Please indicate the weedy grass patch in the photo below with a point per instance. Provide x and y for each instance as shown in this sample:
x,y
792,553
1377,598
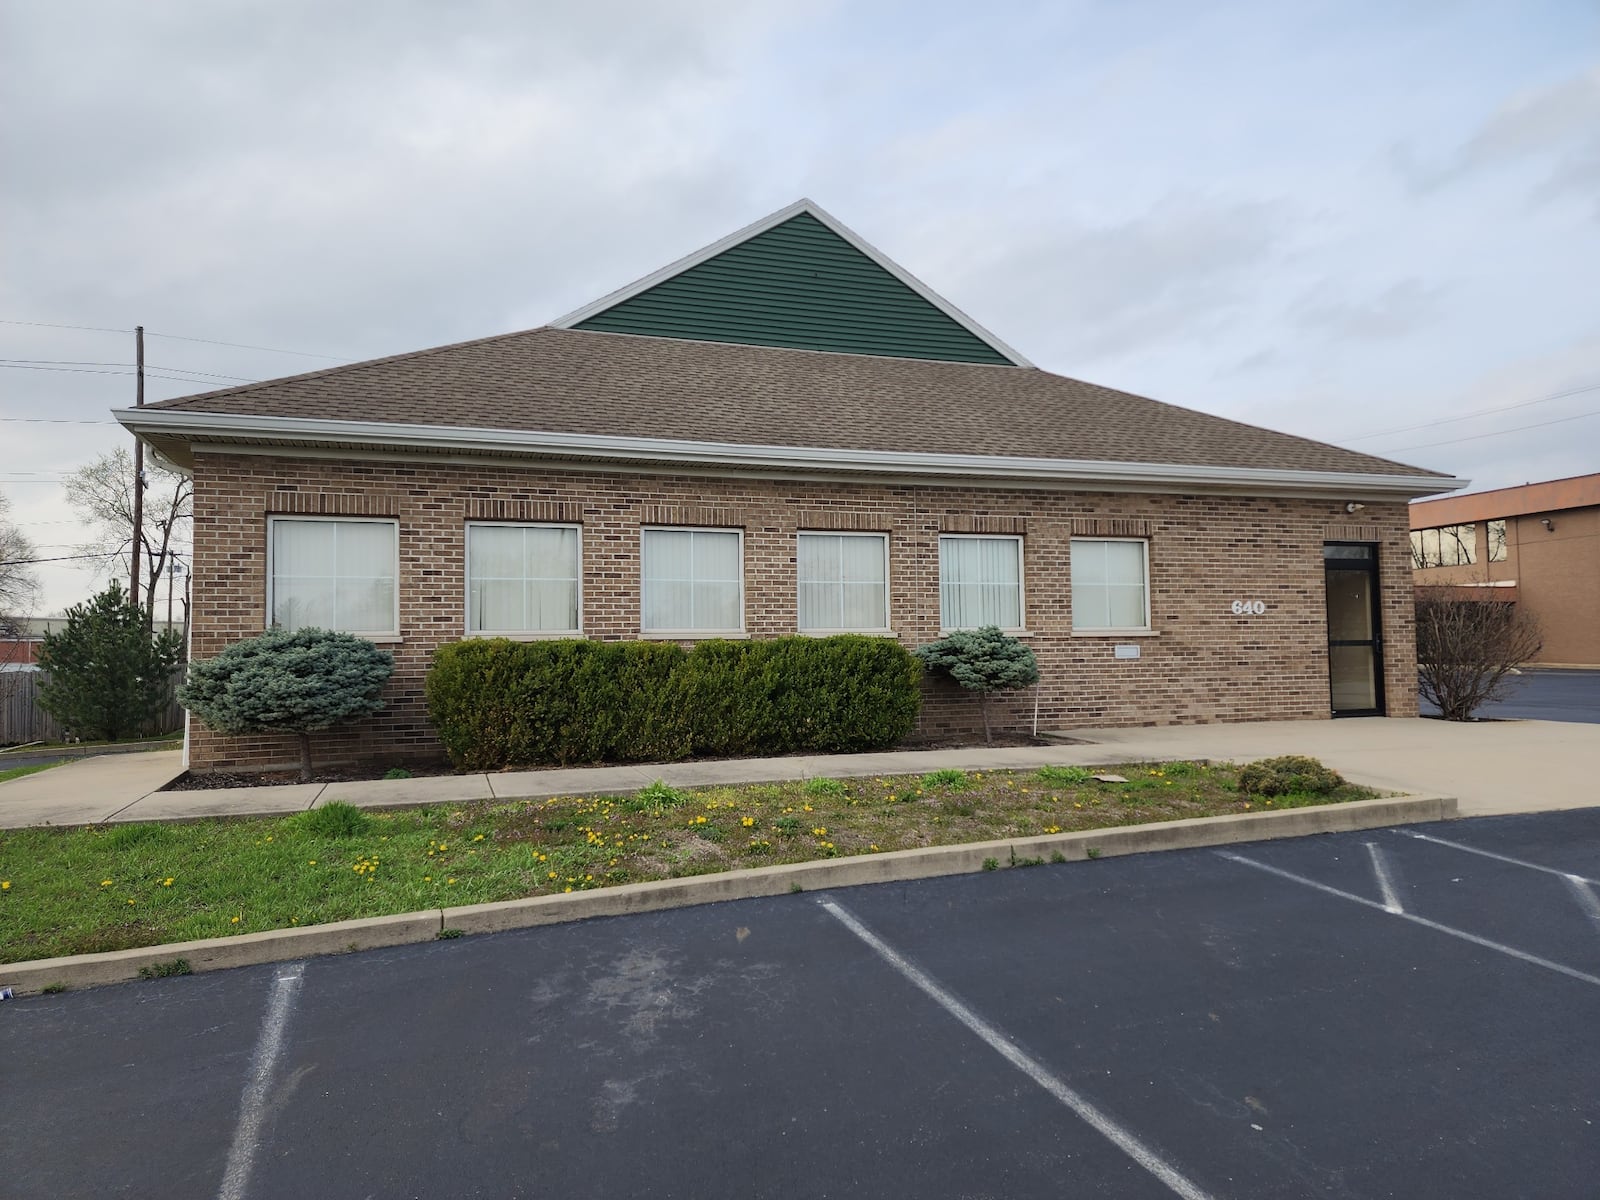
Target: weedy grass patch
x,y
75,891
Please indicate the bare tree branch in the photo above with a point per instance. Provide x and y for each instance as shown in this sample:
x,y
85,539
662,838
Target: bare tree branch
x,y
19,586
102,492
1467,645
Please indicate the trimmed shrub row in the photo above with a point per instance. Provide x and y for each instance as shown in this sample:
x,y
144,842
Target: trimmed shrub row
x,y
499,703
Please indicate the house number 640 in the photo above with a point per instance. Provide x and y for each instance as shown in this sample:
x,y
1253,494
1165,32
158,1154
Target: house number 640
x,y
1248,608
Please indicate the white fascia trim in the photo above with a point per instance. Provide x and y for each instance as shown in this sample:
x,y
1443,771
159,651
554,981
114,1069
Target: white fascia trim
x,y
395,436
689,261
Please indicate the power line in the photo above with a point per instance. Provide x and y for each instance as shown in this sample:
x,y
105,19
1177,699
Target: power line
x,y
1495,433
55,421
1482,412
29,562
41,364
60,362
73,370
53,325
209,374
177,337
242,346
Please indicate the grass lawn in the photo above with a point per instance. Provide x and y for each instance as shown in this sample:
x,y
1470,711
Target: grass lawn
x,y
76,891
168,739
18,772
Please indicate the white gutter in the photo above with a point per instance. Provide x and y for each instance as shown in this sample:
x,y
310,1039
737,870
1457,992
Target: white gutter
x,y
180,423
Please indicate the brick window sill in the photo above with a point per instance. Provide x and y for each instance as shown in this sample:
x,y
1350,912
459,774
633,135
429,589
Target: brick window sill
x,y
694,635
1016,633
1115,633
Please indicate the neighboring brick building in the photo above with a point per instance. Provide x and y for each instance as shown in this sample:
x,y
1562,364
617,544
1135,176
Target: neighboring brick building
x,y
1537,546
787,433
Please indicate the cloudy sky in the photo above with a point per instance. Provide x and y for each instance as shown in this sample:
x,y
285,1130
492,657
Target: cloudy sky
x,y
1372,223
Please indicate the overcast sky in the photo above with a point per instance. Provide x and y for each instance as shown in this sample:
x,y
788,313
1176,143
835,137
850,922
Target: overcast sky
x,y
1337,219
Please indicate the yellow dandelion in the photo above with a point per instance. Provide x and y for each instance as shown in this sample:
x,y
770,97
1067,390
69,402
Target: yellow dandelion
x,y
427,879
131,900
449,880
479,838
105,883
310,862
167,882
5,885
233,920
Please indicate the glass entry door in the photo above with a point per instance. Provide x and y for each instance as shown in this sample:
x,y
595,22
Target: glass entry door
x,y
1355,638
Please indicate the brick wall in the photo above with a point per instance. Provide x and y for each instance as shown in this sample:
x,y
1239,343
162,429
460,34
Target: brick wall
x,y
1204,663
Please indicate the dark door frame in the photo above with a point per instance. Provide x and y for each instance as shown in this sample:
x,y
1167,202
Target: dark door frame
x,y
1368,565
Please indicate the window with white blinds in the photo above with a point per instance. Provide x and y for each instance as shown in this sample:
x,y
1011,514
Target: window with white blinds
x,y
844,582
334,573
523,579
980,581
692,581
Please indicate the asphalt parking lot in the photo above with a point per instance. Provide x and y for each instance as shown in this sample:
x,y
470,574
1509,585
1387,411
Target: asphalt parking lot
x,y
1372,1014
1544,695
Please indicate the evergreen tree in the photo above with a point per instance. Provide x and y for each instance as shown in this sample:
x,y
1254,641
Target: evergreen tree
x,y
108,677
288,681
982,660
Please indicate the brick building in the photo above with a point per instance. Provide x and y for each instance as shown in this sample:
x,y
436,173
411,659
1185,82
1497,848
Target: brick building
x,y
784,433
1537,546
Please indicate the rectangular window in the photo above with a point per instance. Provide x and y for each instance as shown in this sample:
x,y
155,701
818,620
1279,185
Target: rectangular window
x,y
334,574
980,582
692,581
522,579
1497,541
844,582
1110,584
1445,546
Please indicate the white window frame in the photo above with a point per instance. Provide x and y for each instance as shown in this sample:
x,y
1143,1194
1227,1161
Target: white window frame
x,y
884,629
1022,579
691,635
1115,630
391,634
529,635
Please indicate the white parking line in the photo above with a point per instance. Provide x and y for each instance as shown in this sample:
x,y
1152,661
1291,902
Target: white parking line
x,y
1583,892
247,1136
1391,902
1505,858
1031,1067
1415,920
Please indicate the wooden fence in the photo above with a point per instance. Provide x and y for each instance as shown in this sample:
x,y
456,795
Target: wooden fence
x,y
22,720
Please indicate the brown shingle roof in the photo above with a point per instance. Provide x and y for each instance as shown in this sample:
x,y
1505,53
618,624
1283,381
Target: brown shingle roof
x,y
567,381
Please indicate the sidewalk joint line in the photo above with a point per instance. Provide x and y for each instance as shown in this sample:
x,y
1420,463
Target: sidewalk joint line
x,y
1505,858
1029,1066
1499,947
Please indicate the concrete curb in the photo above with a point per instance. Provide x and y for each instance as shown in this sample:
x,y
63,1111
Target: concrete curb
x,y
370,933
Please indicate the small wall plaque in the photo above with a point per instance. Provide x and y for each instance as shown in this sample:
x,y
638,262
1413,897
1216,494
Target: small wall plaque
x,y
1128,650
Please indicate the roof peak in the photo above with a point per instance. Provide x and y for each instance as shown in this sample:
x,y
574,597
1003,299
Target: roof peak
x,y
672,274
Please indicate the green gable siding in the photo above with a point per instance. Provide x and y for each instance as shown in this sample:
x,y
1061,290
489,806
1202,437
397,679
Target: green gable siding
x,y
798,285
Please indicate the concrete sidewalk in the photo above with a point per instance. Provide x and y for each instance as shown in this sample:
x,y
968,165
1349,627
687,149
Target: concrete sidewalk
x,y
1493,767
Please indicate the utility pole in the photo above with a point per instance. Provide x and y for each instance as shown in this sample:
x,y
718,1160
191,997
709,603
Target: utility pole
x,y
138,465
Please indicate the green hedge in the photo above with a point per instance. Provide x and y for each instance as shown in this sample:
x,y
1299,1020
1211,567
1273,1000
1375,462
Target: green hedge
x,y
498,703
